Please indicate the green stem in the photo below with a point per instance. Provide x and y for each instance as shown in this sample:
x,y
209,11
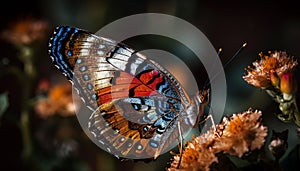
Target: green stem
x,y
26,57
289,108
296,114
26,135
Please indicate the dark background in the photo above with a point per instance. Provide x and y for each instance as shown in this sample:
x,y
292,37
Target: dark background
x,y
227,24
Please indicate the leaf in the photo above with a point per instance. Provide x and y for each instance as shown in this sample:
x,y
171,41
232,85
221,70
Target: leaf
x,y
3,103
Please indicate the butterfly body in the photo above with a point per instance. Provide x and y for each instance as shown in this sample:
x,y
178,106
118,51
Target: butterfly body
x,y
138,107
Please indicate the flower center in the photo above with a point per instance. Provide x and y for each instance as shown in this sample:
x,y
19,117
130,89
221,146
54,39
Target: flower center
x,y
235,126
270,63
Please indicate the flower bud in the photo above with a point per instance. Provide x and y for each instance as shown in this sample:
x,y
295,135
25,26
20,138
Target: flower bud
x,y
274,78
288,83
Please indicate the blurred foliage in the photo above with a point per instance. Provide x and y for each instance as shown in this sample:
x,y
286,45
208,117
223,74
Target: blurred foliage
x,y
4,103
57,142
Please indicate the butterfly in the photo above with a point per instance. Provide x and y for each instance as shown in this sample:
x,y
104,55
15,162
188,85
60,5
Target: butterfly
x,y
139,110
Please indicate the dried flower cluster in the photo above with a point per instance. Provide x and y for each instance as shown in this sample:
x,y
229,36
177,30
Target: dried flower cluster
x,y
236,135
59,101
270,69
275,73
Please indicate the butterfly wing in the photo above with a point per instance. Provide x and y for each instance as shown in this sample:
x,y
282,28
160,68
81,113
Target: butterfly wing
x,y
136,103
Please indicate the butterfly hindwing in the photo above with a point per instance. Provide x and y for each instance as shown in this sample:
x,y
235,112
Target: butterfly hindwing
x,y
134,125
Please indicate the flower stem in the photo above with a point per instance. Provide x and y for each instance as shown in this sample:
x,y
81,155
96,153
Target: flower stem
x,y
289,108
26,56
297,116
26,135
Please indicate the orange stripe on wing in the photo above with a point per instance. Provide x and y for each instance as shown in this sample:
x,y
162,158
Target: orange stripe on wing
x,y
123,84
158,80
151,78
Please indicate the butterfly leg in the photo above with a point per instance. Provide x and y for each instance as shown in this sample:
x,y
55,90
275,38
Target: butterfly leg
x,y
212,121
209,117
180,144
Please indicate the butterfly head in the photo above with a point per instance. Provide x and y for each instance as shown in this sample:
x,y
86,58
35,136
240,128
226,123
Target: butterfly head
x,y
201,99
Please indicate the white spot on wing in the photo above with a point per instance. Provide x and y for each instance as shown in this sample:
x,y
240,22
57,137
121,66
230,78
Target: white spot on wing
x,y
118,63
101,46
108,40
121,57
101,142
93,133
84,52
127,52
90,39
100,52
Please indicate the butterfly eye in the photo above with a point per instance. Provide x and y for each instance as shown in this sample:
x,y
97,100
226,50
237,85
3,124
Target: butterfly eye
x,y
204,96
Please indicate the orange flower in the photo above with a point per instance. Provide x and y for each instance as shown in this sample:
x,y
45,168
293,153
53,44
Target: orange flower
x,y
197,154
25,31
236,135
275,64
59,101
242,133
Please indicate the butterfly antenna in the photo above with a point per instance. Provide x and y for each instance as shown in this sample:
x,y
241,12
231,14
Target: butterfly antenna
x,y
208,81
236,53
228,62
219,51
213,67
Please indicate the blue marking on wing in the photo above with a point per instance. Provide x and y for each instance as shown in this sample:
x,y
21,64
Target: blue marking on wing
x,y
58,42
169,116
160,123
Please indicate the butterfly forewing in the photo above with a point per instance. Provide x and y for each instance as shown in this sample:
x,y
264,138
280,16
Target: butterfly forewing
x,y
136,105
